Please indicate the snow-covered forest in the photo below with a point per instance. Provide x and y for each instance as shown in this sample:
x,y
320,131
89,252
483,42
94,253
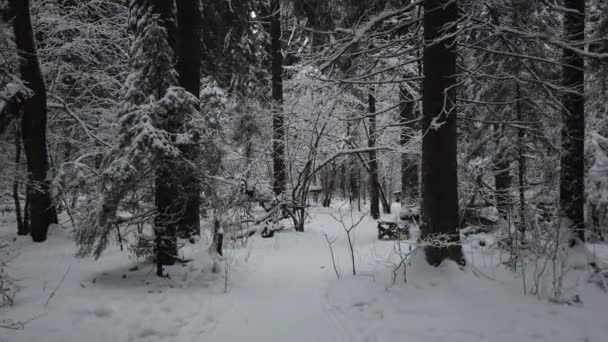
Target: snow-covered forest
x,y
303,170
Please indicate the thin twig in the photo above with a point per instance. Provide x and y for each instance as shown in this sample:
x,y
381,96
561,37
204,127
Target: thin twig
x,y
46,304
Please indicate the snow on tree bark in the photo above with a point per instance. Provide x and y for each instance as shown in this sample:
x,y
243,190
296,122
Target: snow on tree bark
x,y
439,143
278,127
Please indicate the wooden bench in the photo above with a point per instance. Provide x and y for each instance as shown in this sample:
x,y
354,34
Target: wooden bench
x,y
394,229
389,228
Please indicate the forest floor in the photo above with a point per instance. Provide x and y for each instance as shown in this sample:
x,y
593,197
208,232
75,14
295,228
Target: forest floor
x,y
284,288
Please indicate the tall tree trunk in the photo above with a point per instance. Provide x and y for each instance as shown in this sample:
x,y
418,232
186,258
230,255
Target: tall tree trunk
x,y
353,167
571,188
33,124
409,163
278,127
189,51
22,227
374,185
167,213
353,180
329,182
343,181
502,173
384,198
439,144
521,161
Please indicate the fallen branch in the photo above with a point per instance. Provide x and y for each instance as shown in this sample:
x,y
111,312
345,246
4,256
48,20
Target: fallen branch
x,y
17,325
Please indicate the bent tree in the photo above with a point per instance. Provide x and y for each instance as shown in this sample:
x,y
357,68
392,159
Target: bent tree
x,y
439,178
33,124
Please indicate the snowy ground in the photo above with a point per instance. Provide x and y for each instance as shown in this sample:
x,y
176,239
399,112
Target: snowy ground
x,y
283,289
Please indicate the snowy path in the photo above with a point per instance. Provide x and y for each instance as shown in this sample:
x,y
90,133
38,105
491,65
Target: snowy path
x,y
280,289
283,300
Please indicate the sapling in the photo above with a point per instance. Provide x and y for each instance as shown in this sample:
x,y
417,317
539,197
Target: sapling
x,y
349,228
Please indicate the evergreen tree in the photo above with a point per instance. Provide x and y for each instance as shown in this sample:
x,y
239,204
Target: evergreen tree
x,y
151,113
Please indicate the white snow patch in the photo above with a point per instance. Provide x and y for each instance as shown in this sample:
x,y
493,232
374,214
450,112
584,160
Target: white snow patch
x,y
284,289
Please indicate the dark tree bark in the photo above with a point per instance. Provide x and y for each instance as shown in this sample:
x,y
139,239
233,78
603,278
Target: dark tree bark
x,y
374,185
409,163
572,199
189,49
353,180
22,227
502,174
328,181
278,127
169,208
353,168
439,144
343,181
218,237
521,162
165,9
33,124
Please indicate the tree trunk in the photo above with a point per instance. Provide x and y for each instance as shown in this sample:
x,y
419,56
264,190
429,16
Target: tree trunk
x,y
374,190
353,179
218,237
328,181
502,173
189,69
33,124
168,212
278,128
343,181
521,161
385,196
439,144
409,163
572,187
353,168
22,227
360,188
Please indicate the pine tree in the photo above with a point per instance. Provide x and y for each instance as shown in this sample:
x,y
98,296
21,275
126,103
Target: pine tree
x,y
152,113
